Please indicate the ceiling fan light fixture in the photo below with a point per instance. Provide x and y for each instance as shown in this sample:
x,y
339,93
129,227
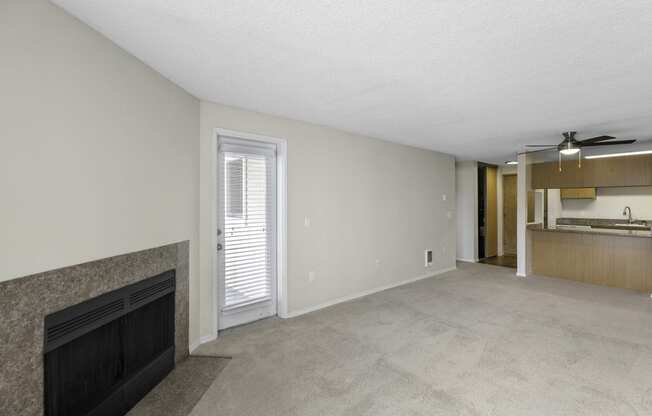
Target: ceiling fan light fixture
x,y
569,148
569,151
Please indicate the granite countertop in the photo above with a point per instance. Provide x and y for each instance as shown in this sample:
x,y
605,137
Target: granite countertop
x,y
598,221
586,229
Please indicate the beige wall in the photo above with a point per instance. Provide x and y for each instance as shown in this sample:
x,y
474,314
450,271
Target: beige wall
x,y
466,193
98,152
100,157
367,200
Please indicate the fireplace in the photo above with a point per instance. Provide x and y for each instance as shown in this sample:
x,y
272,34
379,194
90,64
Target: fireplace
x,y
103,355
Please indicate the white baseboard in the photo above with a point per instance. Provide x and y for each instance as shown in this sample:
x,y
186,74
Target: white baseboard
x,y
365,293
203,340
467,260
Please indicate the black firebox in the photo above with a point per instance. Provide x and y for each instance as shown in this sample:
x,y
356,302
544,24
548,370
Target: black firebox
x,y
103,355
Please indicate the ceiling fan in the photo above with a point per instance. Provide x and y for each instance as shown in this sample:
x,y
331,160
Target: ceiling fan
x,y
570,145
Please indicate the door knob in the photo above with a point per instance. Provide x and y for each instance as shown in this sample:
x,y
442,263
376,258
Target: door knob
x,y
219,246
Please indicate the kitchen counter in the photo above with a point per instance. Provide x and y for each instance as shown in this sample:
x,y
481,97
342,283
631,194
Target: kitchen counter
x,y
589,230
603,256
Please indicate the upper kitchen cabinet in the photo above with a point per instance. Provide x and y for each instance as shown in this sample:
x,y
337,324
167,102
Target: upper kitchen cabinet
x,y
638,170
594,173
578,193
548,175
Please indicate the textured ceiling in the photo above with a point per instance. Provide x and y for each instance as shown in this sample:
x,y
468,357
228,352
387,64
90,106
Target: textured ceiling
x,y
477,79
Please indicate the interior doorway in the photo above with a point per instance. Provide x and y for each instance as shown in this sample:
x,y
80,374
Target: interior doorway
x,y
500,216
487,211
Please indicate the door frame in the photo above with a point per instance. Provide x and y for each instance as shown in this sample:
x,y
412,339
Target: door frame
x,y
281,217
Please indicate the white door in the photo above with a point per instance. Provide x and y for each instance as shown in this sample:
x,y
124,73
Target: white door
x,y
246,233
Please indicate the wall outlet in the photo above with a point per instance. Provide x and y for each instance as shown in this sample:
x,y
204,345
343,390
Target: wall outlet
x,y
449,214
377,263
311,276
306,222
428,258
443,197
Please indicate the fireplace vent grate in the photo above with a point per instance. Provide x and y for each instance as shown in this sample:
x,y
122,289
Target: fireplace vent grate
x,y
87,319
64,326
150,293
103,355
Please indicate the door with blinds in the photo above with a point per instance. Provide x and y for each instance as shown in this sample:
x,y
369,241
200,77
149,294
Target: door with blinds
x,y
246,231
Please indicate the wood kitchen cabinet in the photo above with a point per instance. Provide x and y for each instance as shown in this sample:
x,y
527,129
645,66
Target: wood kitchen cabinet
x,y
578,193
638,170
611,172
537,176
610,260
594,173
545,175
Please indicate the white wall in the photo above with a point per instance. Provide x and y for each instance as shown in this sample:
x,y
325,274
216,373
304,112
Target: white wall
x,y
554,206
366,200
466,190
98,152
609,203
523,239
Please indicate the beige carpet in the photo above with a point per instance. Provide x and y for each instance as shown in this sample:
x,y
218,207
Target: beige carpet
x,y
475,341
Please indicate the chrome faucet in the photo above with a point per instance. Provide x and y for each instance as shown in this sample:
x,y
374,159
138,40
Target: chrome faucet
x,y
629,217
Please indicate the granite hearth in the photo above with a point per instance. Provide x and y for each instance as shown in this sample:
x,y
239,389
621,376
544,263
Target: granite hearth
x,y
24,302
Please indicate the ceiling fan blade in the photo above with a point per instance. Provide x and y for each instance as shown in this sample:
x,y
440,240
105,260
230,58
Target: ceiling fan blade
x,y
541,145
537,151
596,139
608,143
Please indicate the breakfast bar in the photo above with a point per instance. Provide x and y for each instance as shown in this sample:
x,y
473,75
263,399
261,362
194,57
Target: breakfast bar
x,y
598,253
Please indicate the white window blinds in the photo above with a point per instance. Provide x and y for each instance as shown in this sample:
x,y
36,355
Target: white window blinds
x,y
249,220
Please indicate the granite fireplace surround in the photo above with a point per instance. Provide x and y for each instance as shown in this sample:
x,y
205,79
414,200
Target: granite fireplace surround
x,y
25,301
